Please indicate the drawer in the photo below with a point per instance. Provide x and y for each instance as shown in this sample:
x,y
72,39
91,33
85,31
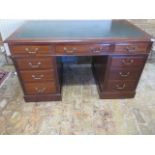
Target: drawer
x,y
129,48
83,49
31,50
40,88
128,61
34,63
120,85
124,74
34,76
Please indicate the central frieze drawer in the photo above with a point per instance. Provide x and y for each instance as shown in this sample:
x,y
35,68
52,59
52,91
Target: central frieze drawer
x,y
40,88
83,49
31,49
34,76
34,63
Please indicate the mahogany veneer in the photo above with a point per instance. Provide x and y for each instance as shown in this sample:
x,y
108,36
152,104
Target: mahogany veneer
x,y
119,51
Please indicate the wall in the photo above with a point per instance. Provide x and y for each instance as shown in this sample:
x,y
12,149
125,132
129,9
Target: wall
x,y
147,25
7,27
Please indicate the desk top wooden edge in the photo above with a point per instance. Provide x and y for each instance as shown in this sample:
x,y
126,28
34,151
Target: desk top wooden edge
x,y
12,39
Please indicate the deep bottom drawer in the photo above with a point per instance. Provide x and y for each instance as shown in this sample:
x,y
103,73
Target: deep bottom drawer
x,y
119,85
40,88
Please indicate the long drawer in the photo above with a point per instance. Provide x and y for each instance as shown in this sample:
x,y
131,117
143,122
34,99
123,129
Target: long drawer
x,y
31,50
39,75
40,88
71,49
34,63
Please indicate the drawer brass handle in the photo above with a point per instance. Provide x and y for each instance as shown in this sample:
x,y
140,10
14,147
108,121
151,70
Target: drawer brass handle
x,y
37,77
40,90
120,87
127,62
69,51
31,52
130,49
124,74
96,50
34,66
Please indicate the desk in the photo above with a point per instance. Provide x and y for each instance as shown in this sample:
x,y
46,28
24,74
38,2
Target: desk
x,y
119,51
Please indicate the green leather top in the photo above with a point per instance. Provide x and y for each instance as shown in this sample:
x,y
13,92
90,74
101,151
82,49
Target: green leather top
x,y
77,29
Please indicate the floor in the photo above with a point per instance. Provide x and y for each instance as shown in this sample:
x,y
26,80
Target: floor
x,y
81,111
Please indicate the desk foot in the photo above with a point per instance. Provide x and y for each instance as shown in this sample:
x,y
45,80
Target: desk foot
x,y
38,98
116,95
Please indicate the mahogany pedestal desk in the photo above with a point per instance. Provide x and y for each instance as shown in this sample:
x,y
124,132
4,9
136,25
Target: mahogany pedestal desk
x,y
119,51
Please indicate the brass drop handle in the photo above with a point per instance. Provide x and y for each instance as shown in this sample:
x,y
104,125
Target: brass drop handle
x,y
124,74
69,51
130,49
127,62
40,90
37,77
34,66
31,52
120,87
97,50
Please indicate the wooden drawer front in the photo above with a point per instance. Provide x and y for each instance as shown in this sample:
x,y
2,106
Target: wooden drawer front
x,y
40,88
128,61
124,74
83,49
31,50
99,48
34,63
72,49
120,85
132,48
34,76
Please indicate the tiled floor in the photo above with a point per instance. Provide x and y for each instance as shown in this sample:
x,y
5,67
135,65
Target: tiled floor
x,y
81,111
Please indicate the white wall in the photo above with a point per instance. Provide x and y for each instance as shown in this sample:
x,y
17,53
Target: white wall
x,y
7,27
